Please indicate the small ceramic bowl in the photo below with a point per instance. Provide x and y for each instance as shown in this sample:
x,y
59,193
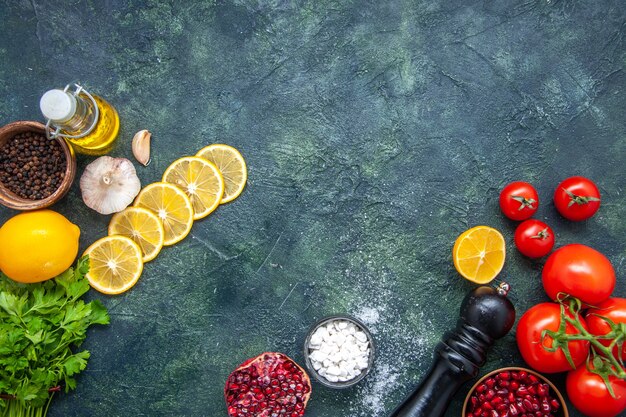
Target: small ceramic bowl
x,y
12,200
561,412
345,384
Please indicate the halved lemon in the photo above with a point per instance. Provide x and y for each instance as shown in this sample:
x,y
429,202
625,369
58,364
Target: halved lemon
x,y
143,227
232,166
200,180
172,206
479,253
115,264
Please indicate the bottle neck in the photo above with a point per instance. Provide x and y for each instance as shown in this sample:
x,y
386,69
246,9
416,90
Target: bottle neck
x,y
83,117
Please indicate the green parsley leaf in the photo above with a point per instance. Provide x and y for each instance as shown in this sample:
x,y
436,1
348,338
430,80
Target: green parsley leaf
x,y
41,326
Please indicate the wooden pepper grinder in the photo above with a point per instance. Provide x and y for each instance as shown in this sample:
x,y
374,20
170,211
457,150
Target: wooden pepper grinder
x,y
486,315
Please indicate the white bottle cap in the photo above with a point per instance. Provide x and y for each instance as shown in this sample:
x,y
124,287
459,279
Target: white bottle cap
x,y
57,105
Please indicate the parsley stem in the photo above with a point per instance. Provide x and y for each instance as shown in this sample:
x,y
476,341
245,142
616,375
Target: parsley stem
x,y
15,408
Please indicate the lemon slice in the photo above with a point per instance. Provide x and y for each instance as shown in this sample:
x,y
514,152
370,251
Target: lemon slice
x,y
115,264
172,206
232,166
143,227
479,253
200,180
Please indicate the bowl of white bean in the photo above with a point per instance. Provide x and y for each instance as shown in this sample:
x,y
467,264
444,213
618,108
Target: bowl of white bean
x,y
339,351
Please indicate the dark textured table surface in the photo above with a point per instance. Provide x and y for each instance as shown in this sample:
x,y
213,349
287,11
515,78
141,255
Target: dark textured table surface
x,y
375,132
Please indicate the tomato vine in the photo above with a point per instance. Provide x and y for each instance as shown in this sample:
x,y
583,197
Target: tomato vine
x,y
601,360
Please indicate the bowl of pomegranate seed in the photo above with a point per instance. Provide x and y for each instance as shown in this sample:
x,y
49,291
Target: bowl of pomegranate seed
x,y
514,392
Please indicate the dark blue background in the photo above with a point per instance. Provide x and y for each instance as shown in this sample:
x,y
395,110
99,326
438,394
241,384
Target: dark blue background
x,y
375,133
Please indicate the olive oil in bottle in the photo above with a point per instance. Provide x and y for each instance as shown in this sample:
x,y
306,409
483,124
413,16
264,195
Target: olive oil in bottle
x,y
85,120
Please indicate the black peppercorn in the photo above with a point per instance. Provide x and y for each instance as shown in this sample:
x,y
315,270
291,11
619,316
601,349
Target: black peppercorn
x,y
32,165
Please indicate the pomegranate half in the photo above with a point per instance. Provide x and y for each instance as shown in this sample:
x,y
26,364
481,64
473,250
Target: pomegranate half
x,y
269,385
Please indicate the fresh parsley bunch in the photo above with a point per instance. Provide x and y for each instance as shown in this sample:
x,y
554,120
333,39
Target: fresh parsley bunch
x,y
39,325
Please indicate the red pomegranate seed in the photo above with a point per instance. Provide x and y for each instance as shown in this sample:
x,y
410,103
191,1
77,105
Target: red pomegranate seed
x,y
513,394
528,406
267,385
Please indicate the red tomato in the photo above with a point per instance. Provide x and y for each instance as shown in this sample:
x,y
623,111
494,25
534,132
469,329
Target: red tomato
x,y
577,198
579,271
534,238
537,319
590,396
613,309
519,200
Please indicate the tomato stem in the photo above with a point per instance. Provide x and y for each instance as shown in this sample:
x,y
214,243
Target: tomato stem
x,y
579,199
605,351
601,360
541,235
524,202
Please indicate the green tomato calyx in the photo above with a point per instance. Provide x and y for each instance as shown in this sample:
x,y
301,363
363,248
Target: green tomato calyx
x,y
579,199
524,202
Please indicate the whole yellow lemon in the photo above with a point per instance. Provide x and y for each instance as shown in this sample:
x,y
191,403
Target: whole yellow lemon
x,y
37,245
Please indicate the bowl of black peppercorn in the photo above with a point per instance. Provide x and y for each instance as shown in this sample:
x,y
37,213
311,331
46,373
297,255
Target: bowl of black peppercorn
x,y
35,172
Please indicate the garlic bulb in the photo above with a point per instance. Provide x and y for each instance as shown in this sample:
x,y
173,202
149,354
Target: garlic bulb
x,y
109,185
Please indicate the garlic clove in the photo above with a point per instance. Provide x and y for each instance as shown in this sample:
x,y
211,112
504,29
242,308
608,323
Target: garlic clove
x,y
141,146
109,185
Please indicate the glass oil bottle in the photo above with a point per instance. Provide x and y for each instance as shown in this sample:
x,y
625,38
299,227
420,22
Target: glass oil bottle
x,y
85,120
